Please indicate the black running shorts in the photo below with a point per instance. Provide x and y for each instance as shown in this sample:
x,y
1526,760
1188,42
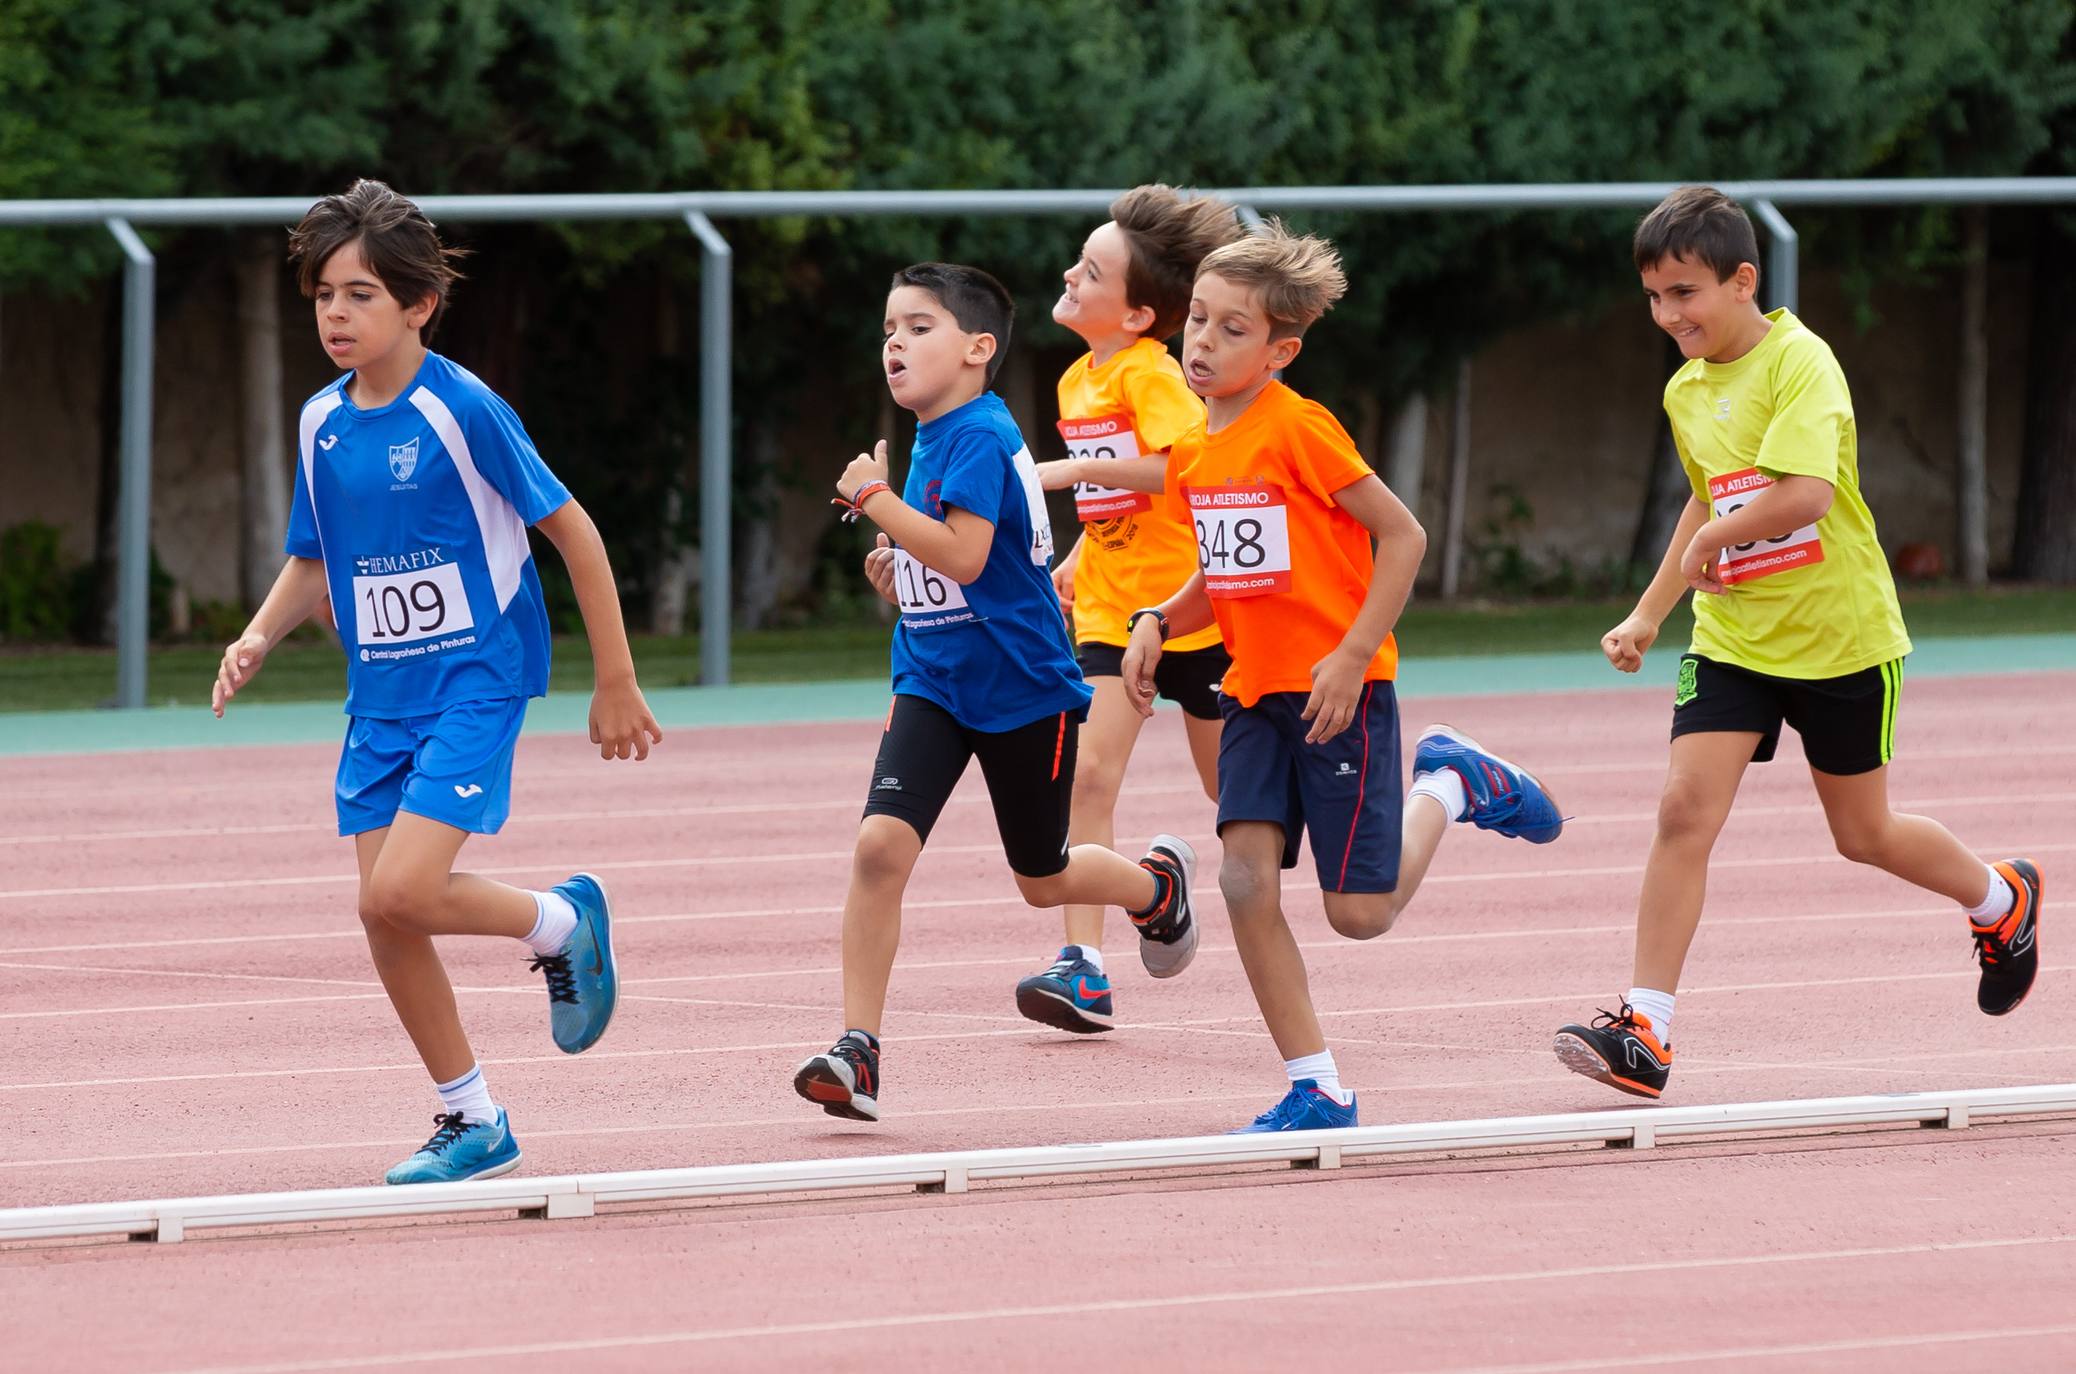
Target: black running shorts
x,y
1847,724
1029,772
1188,677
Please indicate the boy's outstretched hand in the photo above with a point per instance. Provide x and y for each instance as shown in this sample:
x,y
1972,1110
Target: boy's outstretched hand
x,y
879,569
242,660
1336,685
621,725
1626,644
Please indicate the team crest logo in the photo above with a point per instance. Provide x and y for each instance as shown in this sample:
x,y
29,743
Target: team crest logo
x,y
1687,688
403,460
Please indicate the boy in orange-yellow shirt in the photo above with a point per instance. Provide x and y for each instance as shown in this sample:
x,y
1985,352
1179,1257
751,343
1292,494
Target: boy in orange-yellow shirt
x,y
1123,404
1285,511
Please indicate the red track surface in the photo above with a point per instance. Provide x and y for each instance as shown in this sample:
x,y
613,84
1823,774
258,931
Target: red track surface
x,y
186,1007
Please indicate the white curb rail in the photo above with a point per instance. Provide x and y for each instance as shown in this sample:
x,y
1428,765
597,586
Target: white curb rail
x,y
578,1195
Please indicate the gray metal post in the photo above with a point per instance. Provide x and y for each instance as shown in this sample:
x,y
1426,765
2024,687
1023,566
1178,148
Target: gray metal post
x,y
133,522
1783,257
716,465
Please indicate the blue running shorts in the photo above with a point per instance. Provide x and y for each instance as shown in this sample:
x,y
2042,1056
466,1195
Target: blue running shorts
x,y
1346,792
454,767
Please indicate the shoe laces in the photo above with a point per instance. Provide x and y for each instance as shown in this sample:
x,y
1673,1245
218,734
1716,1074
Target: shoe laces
x,y
562,984
1990,946
1622,1020
853,1052
452,1126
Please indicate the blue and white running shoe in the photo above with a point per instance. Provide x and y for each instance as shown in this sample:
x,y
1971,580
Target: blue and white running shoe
x,y
1072,995
1306,1107
1503,796
461,1149
583,982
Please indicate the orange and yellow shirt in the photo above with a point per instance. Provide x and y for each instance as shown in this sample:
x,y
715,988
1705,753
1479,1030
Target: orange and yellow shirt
x,y
1135,552
1286,568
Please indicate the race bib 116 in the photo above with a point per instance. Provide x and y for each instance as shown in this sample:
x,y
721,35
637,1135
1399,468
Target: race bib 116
x,y
929,600
1243,538
1762,557
1103,439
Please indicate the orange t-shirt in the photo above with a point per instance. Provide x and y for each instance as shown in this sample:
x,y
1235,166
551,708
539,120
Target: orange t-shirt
x,y
1285,567
1136,552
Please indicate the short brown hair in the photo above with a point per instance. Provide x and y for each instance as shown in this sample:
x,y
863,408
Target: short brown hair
x,y
1298,277
399,242
1700,225
1168,235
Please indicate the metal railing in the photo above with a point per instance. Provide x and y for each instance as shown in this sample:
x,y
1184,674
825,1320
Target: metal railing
x,y
698,210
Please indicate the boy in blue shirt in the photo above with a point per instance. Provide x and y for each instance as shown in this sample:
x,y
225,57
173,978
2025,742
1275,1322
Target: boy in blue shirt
x,y
982,666
414,489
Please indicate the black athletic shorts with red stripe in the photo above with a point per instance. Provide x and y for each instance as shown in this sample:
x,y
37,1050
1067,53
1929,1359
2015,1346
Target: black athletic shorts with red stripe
x,y
1347,793
1029,772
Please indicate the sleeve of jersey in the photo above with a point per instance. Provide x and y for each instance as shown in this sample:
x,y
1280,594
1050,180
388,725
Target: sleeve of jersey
x,y
975,468
1322,456
505,455
302,541
1171,487
1811,409
1163,408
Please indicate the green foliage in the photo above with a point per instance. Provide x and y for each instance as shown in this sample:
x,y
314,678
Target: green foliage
x,y
35,585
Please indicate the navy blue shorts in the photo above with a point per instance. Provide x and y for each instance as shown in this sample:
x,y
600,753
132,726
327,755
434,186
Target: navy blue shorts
x,y
454,767
1347,792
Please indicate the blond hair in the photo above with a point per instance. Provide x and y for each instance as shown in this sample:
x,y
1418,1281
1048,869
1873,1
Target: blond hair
x,y
1297,276
1168,236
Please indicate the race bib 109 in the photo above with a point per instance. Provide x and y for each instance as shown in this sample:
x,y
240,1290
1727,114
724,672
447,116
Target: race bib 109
x,y
398,608
1103,439
1762,557
1243,538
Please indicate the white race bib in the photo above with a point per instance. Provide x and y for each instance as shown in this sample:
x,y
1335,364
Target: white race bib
x,y
1104,439
1034,502
400,607
1243,538
923,591
1763,557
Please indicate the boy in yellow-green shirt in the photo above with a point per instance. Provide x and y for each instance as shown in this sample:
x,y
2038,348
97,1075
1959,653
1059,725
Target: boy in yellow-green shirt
x,y
1796,622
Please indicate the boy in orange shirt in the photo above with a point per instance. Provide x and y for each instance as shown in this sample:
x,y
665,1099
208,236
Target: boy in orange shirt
x,y
1285,511
1123,404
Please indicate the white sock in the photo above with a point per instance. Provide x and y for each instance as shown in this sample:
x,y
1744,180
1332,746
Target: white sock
x,y
1656,1005
1998,900
1445,787
1088,952
470,1096
556,923
1320,1069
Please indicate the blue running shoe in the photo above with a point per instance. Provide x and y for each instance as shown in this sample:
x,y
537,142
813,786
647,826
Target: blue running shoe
x,y
1304,1108
461,1149
1072,995
1503,796
583,982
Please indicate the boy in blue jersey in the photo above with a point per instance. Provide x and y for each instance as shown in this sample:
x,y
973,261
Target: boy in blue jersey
x,y
982,667
413,494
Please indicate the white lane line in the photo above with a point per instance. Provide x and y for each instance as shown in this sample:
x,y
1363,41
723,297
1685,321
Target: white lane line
x,y
1535,933
1236,1298
611,866
1194,1025
1985,1336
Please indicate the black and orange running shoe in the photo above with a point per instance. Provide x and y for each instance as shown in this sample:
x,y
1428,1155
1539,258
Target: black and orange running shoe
x,y
1620,1049
844,1081
2008,948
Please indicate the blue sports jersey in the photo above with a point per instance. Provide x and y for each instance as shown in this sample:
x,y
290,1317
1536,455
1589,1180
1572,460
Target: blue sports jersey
x,y
995,652
419,510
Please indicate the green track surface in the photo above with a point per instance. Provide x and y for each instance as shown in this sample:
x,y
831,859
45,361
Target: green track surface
x,y
865,698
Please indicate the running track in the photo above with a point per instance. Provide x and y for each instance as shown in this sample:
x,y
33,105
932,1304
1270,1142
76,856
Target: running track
x,y
186,1007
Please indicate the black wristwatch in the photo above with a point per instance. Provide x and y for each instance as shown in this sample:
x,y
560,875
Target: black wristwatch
x,y
1132,620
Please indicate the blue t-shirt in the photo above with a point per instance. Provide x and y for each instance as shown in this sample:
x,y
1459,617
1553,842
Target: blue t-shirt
x,y
995,652
419,510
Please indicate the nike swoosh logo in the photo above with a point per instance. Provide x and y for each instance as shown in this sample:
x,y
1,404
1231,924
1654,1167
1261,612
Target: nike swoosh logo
x,y
472,790
1087,993
327,441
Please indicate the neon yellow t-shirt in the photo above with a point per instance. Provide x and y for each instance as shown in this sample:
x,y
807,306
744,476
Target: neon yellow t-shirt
x,y
1817,602
1136,551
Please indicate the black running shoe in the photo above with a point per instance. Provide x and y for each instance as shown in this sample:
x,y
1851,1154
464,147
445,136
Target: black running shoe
x,y
844,1081
1168,933
2008,948
1620,1049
